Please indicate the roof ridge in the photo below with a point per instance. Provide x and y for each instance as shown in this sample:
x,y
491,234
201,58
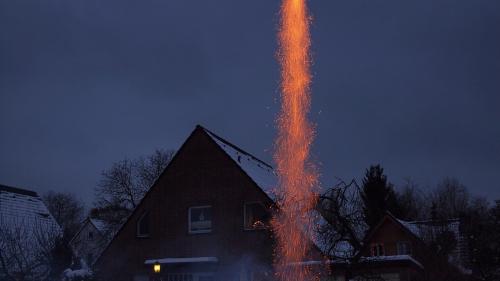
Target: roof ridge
x,y
18,190
234,146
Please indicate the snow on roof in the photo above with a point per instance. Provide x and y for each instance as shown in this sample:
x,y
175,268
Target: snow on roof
x,y
181,260
392,258
259,171
265,177
20,206
427,230
77,274
99,224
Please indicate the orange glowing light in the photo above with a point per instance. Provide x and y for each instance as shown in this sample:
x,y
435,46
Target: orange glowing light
x,y
297,177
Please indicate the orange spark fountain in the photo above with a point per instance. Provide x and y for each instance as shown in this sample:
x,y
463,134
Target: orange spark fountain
x,y
297,178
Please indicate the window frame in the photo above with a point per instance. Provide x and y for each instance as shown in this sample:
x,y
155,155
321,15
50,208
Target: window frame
x,y
195,276
408,247
138,233
377,247
189,220
245,216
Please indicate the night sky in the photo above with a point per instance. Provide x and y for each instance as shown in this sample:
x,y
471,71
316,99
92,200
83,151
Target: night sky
x,y
413,85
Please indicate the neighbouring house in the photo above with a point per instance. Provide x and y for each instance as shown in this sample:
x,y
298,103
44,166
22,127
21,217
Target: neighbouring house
x,y
399,250
88,243
27,235
205,218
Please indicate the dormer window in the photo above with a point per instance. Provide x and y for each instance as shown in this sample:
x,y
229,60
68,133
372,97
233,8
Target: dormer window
x,y
90,235
255,216
404,248
377,249
200,219
142,229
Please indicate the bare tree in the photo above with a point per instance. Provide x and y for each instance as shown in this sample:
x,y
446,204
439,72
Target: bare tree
x,y
124,185
451,199
26,249
412,201
342,234
66,209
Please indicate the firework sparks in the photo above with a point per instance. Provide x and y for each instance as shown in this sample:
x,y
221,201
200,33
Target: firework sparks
x,y
297,178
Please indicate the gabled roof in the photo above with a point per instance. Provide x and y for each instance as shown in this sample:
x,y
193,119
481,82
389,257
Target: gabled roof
x,y
257,170
21,207
429,230
261,173
390,217
425,230
98,224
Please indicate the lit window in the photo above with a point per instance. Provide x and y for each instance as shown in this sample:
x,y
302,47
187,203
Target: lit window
x,y
404,248
255,216
143,225
200,219
377,249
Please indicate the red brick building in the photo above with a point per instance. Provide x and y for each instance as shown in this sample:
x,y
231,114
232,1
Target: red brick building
x,y
204,219
399,250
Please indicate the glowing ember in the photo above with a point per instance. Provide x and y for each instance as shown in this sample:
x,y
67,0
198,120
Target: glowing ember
x,y
297,179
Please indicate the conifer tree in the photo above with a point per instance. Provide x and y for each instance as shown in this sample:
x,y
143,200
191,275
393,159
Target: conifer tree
x,y
378,196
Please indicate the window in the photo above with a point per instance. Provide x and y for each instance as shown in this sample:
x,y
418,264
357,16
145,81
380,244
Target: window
x,y
179,277
186,276
404,248
255,216
377,249
143,225
90,235
200,219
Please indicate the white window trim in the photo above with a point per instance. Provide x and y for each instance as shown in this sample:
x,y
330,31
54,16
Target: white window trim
x,y
245,217
137,226
189,220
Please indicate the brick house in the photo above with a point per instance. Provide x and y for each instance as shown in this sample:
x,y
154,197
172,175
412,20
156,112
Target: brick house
x,y
204,219
399,250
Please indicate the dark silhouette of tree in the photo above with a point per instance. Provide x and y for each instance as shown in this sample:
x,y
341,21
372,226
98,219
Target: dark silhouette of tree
x,y
481,226
124,185
451,199
342,233
412,203
61,256
66,209
26,249
378,196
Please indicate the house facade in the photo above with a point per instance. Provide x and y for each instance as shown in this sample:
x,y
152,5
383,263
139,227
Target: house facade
x,y
397,250
206,218
88,243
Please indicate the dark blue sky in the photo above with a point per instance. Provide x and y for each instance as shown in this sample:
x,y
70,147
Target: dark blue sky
x,y
413,85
